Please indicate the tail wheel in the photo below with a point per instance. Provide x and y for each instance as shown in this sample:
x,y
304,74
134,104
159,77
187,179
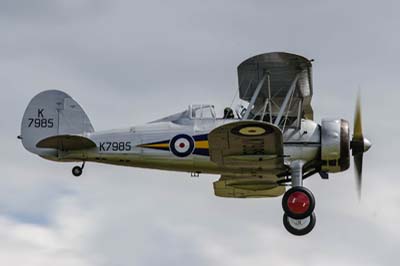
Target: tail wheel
x,y
299,227
298,202
77,171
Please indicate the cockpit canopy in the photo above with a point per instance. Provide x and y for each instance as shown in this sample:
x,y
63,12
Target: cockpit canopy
x,y
202,111
194,112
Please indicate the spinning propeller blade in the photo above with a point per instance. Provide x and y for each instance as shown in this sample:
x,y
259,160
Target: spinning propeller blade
x,y
358,145
358,160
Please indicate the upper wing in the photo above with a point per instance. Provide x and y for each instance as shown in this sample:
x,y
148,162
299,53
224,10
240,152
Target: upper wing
x,y
284,70
247,144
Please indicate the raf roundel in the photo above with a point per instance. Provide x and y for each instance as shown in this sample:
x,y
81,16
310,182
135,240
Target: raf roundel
x,y
251,130
182,145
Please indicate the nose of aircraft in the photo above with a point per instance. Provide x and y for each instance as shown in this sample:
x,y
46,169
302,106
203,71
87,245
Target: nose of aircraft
x,y
367,144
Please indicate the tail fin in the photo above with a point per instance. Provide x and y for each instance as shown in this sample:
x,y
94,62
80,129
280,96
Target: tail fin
x,y
52,113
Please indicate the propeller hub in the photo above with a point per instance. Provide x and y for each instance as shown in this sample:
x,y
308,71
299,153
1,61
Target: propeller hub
x,y
367,144
360,145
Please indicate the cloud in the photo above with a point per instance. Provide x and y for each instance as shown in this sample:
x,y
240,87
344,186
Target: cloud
x,y
59,243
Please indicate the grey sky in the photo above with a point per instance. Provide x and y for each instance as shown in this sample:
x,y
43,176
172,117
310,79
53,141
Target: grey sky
x,y
129,62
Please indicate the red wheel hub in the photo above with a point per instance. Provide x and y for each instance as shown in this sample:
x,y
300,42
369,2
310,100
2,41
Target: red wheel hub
x,y
298,202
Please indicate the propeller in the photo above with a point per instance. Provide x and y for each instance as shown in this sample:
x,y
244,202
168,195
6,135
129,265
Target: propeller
x,y
359,144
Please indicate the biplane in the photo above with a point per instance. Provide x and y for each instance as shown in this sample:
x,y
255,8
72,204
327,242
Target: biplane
x,y
263,150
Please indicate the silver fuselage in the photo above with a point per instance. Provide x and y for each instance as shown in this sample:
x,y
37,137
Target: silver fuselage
x,y
148,146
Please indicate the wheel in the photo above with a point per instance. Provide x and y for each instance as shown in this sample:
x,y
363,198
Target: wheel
x,y
298,202
299,227
77,171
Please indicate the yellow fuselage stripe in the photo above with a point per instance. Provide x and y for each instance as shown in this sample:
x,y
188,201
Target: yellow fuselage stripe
x,y
202,144
158,145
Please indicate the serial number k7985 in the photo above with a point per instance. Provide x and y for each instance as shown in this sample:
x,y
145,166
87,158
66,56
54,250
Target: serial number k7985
x,y
115,146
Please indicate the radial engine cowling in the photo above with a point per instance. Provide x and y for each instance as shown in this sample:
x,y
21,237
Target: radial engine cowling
x,y
335,145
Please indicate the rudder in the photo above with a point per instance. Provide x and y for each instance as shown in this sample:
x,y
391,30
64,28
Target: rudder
x,y
52,113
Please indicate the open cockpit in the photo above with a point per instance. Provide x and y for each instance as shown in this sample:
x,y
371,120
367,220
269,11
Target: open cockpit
x,y
197,112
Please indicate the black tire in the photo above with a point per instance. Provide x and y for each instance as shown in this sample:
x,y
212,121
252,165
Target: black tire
x,y
77,171
301,230
298,215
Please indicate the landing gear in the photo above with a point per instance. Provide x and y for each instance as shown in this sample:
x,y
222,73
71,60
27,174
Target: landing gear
x,y
298,203
78,170
299,227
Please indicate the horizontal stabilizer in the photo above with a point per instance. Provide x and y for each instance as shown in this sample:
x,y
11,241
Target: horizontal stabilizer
x,y
66,142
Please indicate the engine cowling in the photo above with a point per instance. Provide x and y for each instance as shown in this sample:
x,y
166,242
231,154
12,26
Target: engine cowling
x,y
335,145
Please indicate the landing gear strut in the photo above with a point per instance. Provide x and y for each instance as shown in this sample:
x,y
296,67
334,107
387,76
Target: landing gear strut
x,y
298,204
78,170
